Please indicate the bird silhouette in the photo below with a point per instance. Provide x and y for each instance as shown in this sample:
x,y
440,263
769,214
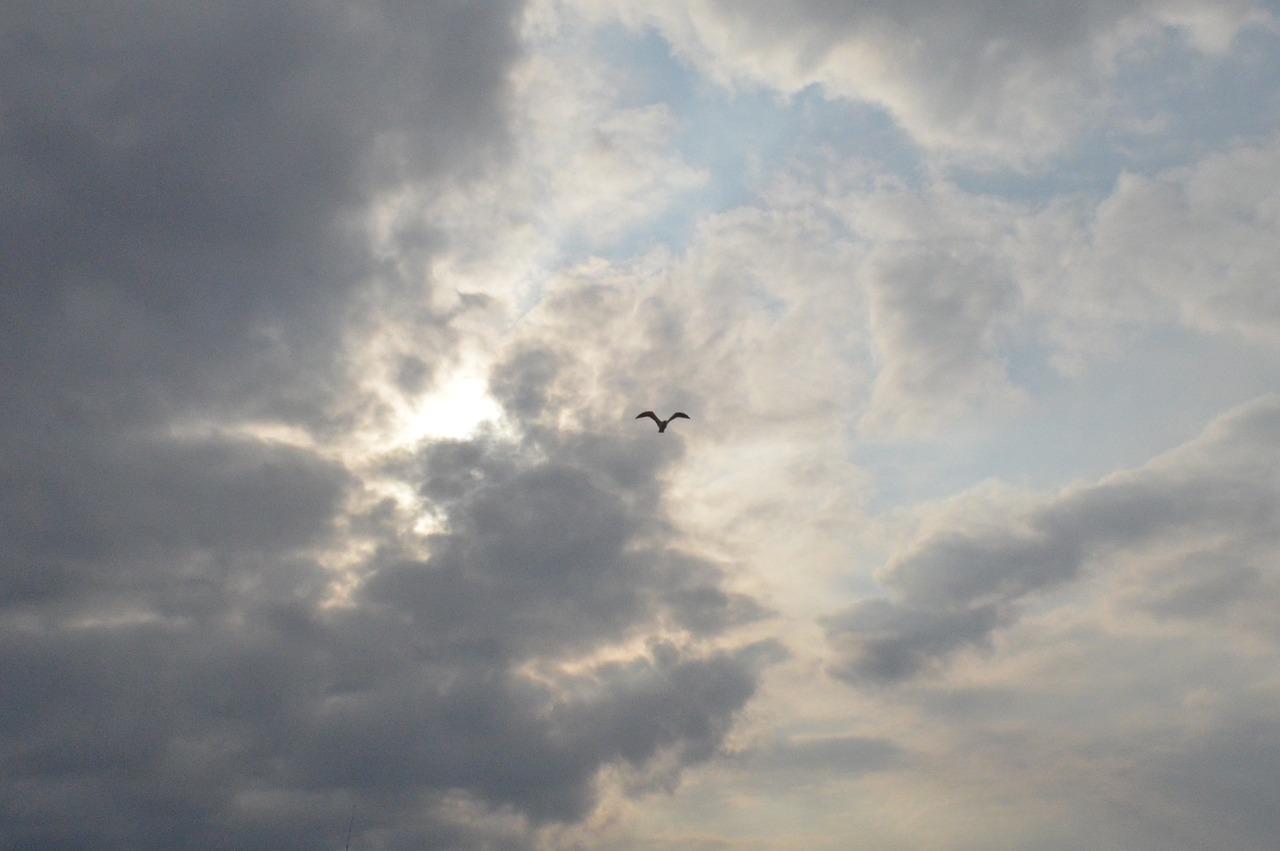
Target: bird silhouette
x,y
662,424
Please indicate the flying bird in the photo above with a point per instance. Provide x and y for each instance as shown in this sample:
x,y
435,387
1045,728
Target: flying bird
x,y
662,424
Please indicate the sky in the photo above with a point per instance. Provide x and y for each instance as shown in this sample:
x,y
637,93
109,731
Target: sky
x,y
326,522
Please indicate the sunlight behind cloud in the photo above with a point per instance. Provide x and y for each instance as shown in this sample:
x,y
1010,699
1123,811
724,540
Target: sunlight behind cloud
x,y
455,411
325,497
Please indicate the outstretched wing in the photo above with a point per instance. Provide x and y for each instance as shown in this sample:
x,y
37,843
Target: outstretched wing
x,y
679,415
651,415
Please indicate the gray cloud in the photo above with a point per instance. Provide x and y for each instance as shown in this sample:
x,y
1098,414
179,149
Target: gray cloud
x,y
523,381
157,517
183,183
840,755
191,685
934,315
1200,585
1230,775
184,187
954,586
879,640
541,560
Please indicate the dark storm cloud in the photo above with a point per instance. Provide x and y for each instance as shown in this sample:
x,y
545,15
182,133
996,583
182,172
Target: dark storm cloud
x,y
511,741
547,560
181,182
180,192
552,545
957,585
122,516
178,187
178,182
551,556
229,707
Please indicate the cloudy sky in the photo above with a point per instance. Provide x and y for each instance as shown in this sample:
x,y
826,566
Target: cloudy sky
x,y
324,324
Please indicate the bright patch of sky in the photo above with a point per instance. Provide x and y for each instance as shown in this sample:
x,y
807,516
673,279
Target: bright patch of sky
x,y
742,136
1172,104
1116,414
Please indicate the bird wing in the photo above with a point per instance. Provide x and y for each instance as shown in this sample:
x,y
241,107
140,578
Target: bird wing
x,y
679,414
651,415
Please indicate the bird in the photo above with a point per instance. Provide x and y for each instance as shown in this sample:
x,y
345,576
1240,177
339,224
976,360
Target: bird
x,y
662,424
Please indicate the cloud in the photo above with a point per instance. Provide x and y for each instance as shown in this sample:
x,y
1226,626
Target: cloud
x,y
934,314
966,291
602,169
140,519
184,184
970,79
1232,773
269,257
1199,239
550,557
839,755
551,628
221,621
960,581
